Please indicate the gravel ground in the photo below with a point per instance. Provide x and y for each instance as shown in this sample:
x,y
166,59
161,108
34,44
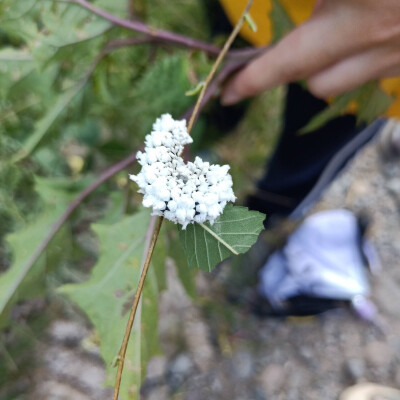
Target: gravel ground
x,y
224,353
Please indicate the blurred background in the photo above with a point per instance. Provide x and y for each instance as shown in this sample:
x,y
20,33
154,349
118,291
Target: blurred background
x,y
77,96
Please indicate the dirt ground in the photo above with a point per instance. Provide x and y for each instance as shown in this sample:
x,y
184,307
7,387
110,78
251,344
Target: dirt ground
x,y
224,353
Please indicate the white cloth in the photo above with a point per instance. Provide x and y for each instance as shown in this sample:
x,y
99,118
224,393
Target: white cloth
x,y
322,258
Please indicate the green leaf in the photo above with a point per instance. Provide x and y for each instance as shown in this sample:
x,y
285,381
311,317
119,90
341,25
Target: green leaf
x,y
162,89
234,232
15,64
195,90
250,22
107,296
281,22
187,276
371,101
180,16
17,18
336,108
21,280
44,124
23,244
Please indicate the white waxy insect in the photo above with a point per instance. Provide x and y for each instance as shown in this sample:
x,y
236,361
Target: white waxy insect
x,y
181,192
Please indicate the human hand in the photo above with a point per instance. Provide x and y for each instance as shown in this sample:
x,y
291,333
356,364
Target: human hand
x,y
343,45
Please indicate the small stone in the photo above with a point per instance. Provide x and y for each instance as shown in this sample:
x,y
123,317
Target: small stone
x,y
216,385
397,377
378,354
242,364
306,353
272,379
53,390
159,393
181,365
156,367
355,368
67,332
179,370
68,365
197,340
366,391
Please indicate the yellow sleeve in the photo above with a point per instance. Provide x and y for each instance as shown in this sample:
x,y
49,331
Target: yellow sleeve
x,y
298,11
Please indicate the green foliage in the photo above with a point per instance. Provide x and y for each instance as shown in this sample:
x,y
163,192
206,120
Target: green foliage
x,y
107,296
44,124
182,16
234,232
281,22
370,99
24,280
161,88
176,251
65,101
372,102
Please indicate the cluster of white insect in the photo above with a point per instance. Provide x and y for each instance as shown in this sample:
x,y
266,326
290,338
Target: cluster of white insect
x,y
181,192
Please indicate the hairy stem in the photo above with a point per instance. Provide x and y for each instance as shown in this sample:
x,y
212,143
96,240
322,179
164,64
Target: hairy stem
x,y
128,329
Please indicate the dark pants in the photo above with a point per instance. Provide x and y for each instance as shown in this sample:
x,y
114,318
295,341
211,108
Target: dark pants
x,y
299,160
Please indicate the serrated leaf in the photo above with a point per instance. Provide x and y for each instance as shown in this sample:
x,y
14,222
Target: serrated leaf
x,y
17,18
23,244
15,64
21,280
180,16
234,232
162,87
44,124
107,296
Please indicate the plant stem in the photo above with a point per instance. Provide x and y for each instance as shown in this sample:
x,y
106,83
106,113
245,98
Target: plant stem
x,y
218,61
128,329
157,34
124,346
163,36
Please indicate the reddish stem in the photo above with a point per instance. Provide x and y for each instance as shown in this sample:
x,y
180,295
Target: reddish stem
x,y
156,34
160,35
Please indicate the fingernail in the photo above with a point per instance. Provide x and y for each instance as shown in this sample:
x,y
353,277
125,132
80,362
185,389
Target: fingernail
x,y
230,97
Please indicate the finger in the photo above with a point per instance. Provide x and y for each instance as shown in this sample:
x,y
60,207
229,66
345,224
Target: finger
x,y
313,46
354,71
391,72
